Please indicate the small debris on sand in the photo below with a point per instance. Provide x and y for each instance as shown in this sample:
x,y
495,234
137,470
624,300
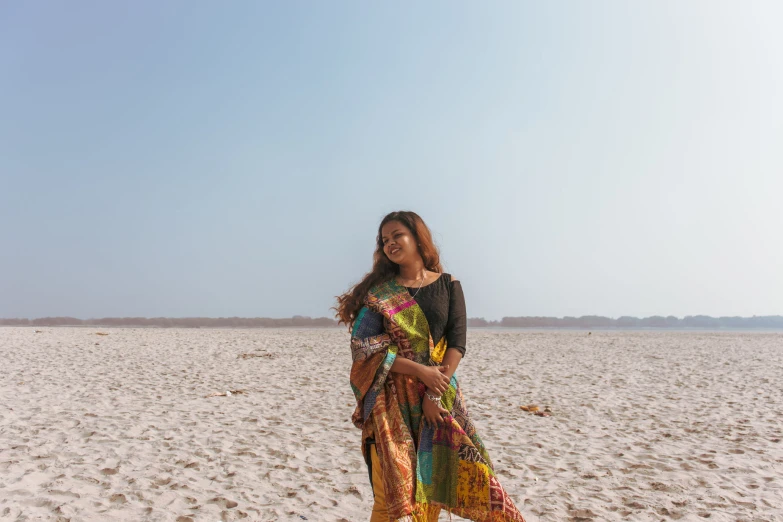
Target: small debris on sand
x,y
535,409
252,355
227,393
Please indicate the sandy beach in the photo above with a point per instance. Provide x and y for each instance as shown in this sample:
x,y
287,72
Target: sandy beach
x,y
645,426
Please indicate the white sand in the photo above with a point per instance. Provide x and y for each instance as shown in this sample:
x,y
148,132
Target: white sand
x,y
646,425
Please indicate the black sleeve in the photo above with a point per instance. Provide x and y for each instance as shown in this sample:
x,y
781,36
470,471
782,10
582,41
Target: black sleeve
x,y
457,325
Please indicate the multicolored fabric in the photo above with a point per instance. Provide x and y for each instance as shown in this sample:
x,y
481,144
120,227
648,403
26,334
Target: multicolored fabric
x,y
424,469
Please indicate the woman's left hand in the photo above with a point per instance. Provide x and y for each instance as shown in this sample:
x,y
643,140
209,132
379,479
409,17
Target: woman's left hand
x,y
433,412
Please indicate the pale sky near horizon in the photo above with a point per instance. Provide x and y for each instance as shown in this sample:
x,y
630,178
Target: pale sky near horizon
x,y
572,158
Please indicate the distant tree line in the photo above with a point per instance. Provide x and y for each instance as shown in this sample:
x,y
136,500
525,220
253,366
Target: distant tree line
x,y
178,322
655,321
586,321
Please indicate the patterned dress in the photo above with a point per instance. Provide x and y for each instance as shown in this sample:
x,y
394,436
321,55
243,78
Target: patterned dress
x,y
424,468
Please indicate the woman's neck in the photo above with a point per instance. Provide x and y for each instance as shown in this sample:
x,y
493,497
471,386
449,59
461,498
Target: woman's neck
x,y
413,271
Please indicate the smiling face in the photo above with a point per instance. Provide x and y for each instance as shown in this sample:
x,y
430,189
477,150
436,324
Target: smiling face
x,y
399,244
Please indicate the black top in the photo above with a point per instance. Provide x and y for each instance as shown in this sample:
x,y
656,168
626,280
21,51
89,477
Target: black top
x,y
443,305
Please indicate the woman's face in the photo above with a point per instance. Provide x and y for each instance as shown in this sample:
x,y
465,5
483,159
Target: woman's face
x,y
399,245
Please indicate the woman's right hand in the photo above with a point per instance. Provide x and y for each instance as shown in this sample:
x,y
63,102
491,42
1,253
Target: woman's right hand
x,y
435,378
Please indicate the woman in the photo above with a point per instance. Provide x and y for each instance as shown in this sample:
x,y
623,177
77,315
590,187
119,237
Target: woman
x,y
408,336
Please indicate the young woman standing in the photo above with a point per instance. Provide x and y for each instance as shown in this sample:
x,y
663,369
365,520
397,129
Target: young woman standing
x,y
408,330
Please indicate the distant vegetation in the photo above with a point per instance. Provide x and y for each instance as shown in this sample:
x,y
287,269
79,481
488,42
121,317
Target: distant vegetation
x,y
656,321
178,322
586,321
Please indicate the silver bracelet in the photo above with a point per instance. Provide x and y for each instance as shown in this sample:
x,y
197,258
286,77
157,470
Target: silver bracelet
x,y
433,398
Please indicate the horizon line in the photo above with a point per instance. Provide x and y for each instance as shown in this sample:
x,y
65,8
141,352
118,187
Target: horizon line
x,y
588,316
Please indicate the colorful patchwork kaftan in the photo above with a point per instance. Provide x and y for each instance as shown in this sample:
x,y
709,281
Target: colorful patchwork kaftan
x,y
424,468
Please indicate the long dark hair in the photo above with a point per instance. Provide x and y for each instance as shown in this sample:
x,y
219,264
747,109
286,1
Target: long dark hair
x,y
349,304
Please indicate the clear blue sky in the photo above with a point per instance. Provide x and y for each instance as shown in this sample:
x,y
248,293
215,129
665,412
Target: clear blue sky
x,y
234,159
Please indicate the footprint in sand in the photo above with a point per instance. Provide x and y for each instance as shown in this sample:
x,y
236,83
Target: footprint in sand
x,y
223,502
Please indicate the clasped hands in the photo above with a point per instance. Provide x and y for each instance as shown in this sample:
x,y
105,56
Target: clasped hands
x,y
437,382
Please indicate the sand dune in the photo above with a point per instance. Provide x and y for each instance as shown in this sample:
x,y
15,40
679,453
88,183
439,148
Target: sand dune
x,y
645,426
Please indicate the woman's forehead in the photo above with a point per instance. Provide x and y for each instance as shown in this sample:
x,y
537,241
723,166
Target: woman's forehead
x,y
392,227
